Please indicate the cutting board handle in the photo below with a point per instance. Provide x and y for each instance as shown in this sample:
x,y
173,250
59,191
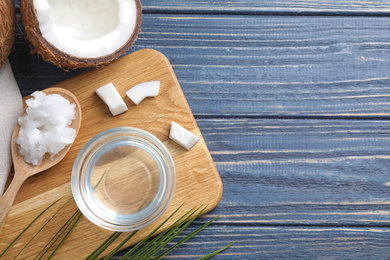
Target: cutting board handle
x,y
8,198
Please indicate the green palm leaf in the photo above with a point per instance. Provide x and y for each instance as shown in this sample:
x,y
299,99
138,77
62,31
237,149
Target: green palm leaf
x,y
144,249
24,230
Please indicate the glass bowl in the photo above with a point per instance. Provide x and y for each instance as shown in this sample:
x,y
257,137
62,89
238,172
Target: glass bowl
x,y
123,179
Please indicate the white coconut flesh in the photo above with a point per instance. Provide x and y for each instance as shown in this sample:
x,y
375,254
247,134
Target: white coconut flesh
x,y
182,136
110,95
86,28
143,90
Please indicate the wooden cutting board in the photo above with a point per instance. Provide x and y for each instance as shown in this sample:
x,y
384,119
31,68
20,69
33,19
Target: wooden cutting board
x,y
198,181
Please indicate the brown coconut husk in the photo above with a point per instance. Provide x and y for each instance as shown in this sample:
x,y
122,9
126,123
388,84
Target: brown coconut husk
x,y
50,53
7,28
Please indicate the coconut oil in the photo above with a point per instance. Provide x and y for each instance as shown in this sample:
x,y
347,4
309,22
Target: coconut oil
x,y
123,179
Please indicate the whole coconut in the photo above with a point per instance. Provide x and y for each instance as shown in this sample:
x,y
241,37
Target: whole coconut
x,y
7,28
50,51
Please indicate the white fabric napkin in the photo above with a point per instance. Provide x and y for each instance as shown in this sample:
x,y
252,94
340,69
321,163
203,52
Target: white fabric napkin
x,y
11,106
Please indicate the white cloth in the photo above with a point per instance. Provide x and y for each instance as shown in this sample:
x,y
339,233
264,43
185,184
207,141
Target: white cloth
x,y
11,106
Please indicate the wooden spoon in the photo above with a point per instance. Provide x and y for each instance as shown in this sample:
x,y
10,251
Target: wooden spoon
x,y
23,170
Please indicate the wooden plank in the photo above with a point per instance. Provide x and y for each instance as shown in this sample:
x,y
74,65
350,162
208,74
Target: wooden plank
x,y
255,242
275,66
301,172
267,6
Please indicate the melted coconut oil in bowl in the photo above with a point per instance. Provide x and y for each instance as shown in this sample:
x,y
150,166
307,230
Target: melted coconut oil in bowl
x,y
123,179
130,165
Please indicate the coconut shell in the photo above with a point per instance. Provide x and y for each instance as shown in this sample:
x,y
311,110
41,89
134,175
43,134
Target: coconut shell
x,y
7,28
50,53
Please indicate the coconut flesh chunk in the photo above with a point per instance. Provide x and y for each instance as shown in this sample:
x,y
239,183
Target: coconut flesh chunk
x,y
86,28
182,136
111,97
141,91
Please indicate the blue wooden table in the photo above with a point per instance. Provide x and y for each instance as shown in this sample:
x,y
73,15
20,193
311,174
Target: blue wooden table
x,y
293,100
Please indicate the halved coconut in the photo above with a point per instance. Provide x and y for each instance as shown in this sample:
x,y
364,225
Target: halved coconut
x,y
7,28
81,33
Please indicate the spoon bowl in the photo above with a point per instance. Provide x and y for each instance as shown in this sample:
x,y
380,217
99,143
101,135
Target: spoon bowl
x,y
23,170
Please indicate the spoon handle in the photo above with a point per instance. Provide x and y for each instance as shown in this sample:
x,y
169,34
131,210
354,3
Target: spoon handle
x,y
8,198
5,207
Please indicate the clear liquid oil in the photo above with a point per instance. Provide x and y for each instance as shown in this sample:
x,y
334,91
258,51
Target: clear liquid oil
x,y
124,179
